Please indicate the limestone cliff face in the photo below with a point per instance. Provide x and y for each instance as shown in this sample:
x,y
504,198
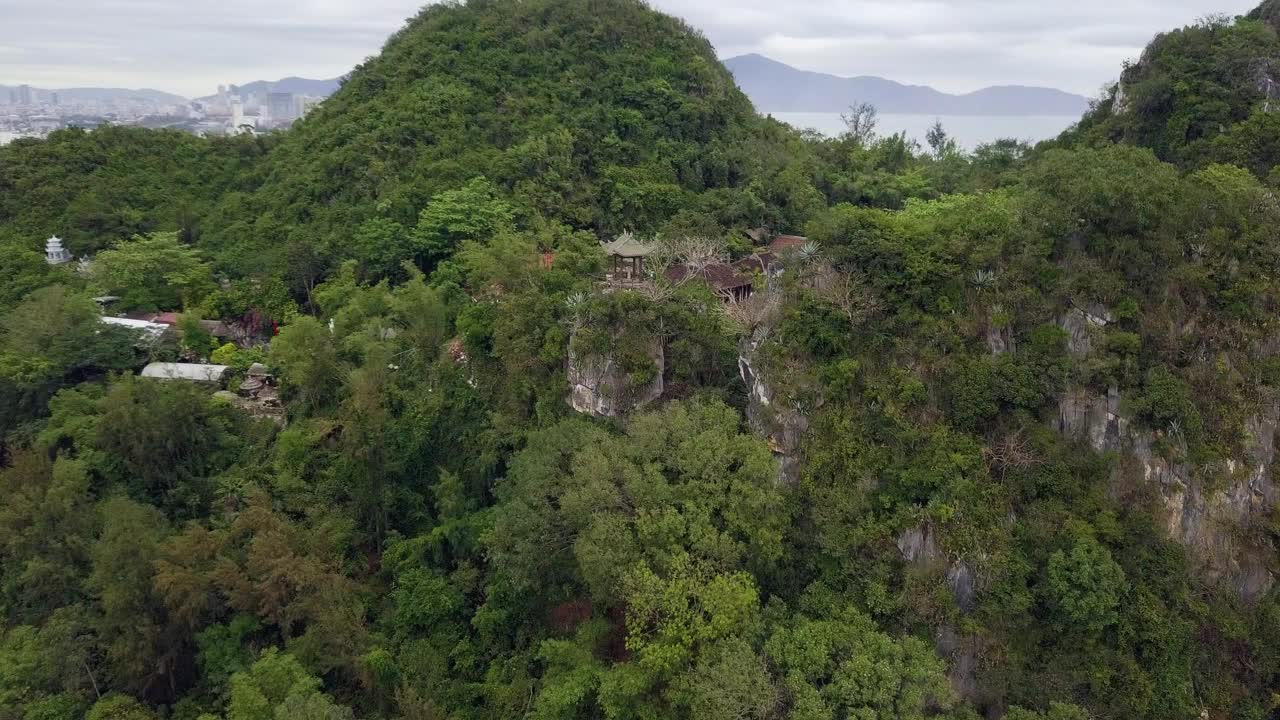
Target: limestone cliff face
x,y
1217,511
1081,322
598,387
1000,340
1120,105
961,651
1214,511
771,417
1000,337
1093,416
1269,13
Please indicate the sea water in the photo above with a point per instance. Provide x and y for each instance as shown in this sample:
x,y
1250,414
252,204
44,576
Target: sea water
x,y
969,131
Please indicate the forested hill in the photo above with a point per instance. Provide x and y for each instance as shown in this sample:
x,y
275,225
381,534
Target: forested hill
x,y
595,115
996,438
1205,93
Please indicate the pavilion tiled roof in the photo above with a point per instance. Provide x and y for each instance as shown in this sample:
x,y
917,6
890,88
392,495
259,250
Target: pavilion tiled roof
x,y
628,246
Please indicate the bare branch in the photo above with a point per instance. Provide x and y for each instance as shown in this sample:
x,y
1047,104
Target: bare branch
x,y
860,123
696,253
760,309
848,291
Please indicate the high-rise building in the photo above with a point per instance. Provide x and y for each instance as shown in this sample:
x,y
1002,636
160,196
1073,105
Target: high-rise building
x,y
307,103
280,108
53,98
24,95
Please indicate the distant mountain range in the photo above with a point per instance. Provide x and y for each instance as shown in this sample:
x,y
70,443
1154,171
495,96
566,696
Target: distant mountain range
x,y
771,85
778,87
100,94
295,85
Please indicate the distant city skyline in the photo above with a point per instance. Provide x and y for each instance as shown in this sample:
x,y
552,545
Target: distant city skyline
x,y
190,48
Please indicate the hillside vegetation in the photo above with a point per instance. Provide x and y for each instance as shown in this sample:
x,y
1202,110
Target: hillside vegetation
x,y
596,116
997,440
1203,94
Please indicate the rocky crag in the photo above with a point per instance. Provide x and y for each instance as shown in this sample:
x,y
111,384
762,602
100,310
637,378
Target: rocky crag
x,y
1216,511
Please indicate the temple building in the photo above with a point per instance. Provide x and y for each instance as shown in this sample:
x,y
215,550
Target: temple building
x,y
257,395
54,253
727,281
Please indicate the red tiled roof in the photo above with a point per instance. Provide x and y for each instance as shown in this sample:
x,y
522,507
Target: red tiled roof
x,y
787,242
718,276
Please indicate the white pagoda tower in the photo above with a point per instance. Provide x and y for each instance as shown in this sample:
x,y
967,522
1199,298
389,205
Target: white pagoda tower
x,y
54,253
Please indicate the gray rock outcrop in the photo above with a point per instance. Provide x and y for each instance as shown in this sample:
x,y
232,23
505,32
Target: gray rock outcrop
x,y
1215,511
598,388
775,419
918,546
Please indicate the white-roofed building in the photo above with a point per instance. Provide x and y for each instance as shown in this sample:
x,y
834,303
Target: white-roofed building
x,y
190,372
150,330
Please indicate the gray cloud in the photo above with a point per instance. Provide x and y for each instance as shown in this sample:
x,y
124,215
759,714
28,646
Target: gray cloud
x,y
955,45
189,47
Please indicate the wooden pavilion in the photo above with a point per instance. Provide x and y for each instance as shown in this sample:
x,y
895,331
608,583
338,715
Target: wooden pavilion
x,y
627,254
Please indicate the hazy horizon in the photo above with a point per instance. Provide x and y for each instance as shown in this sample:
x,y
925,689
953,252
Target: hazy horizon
x,y
956,46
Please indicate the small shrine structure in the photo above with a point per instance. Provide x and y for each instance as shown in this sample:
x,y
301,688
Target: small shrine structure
x,y
55,253
627,255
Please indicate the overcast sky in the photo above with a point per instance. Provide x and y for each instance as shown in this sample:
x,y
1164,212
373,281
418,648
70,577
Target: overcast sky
x,y
188,46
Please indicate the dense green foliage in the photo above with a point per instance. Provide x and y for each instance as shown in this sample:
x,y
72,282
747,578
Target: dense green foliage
x,y
436,534
589,115
115,182
1203,94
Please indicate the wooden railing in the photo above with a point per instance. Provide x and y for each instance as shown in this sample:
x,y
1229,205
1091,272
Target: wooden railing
x,y
614,282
